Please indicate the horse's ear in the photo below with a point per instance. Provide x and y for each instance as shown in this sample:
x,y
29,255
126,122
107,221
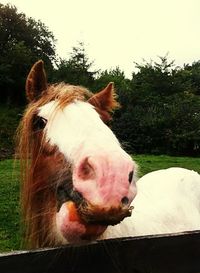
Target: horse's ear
x,y
36,81
105,100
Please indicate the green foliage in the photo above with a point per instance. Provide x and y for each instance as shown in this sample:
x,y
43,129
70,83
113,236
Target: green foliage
x,y
193,76
9,120
77,69
154,78
15,27
162,113
23,41
170,126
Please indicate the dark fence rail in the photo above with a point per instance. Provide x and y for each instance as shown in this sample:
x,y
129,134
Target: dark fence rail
x,y
172,253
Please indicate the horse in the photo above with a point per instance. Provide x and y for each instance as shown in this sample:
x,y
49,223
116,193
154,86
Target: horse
x,y
76,178
78,183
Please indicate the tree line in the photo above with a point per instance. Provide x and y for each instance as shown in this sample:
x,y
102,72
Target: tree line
x,y
160,110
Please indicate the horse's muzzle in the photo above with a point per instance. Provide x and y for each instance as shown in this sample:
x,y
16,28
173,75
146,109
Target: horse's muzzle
x,y
96,215
92,214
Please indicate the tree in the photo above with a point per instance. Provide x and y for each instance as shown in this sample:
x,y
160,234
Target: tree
x,y
121,84
162,113
191,74
153,78
23,41
77,69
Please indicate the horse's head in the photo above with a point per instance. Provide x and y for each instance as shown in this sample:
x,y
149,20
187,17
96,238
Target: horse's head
x,y
77,179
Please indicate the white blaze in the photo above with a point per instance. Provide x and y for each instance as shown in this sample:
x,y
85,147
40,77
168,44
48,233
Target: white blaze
x,y
78,128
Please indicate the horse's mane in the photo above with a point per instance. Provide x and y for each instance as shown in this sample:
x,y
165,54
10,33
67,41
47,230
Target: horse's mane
x,y
31,149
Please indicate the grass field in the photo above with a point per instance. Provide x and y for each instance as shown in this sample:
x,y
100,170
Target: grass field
x,y
9,206
148,163
9,192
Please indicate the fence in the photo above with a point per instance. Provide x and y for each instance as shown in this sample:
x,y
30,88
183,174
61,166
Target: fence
x,y
172,253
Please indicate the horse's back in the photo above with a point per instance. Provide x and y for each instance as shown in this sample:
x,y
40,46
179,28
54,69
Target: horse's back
x,y
169,181
167,201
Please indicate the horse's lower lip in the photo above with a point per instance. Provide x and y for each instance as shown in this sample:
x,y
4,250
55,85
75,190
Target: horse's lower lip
x,y
73,228
104,222
93,231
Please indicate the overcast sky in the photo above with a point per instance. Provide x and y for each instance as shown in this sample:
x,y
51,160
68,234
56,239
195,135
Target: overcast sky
x,y
121,32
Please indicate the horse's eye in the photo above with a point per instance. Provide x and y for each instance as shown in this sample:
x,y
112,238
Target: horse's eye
x,y
39,123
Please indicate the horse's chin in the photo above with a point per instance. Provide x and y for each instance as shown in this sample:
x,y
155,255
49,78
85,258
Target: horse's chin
x,y
73,228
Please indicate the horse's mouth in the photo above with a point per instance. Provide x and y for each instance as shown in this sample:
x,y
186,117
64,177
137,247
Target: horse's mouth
x,y
91,214
65,193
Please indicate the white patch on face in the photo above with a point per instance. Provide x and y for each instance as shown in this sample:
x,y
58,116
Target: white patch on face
x,y
79,133
77,128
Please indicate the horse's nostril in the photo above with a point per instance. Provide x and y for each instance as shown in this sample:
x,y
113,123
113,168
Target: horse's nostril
x,y
130,177
125,200
86,170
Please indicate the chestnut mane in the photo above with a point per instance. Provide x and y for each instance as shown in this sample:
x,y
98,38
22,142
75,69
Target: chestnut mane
x,y
41,163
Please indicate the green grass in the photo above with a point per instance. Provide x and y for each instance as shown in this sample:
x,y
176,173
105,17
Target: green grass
x,y
9,192
9,120
150,163
9,207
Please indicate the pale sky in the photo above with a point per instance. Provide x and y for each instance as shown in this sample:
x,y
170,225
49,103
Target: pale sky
x,y
121,32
